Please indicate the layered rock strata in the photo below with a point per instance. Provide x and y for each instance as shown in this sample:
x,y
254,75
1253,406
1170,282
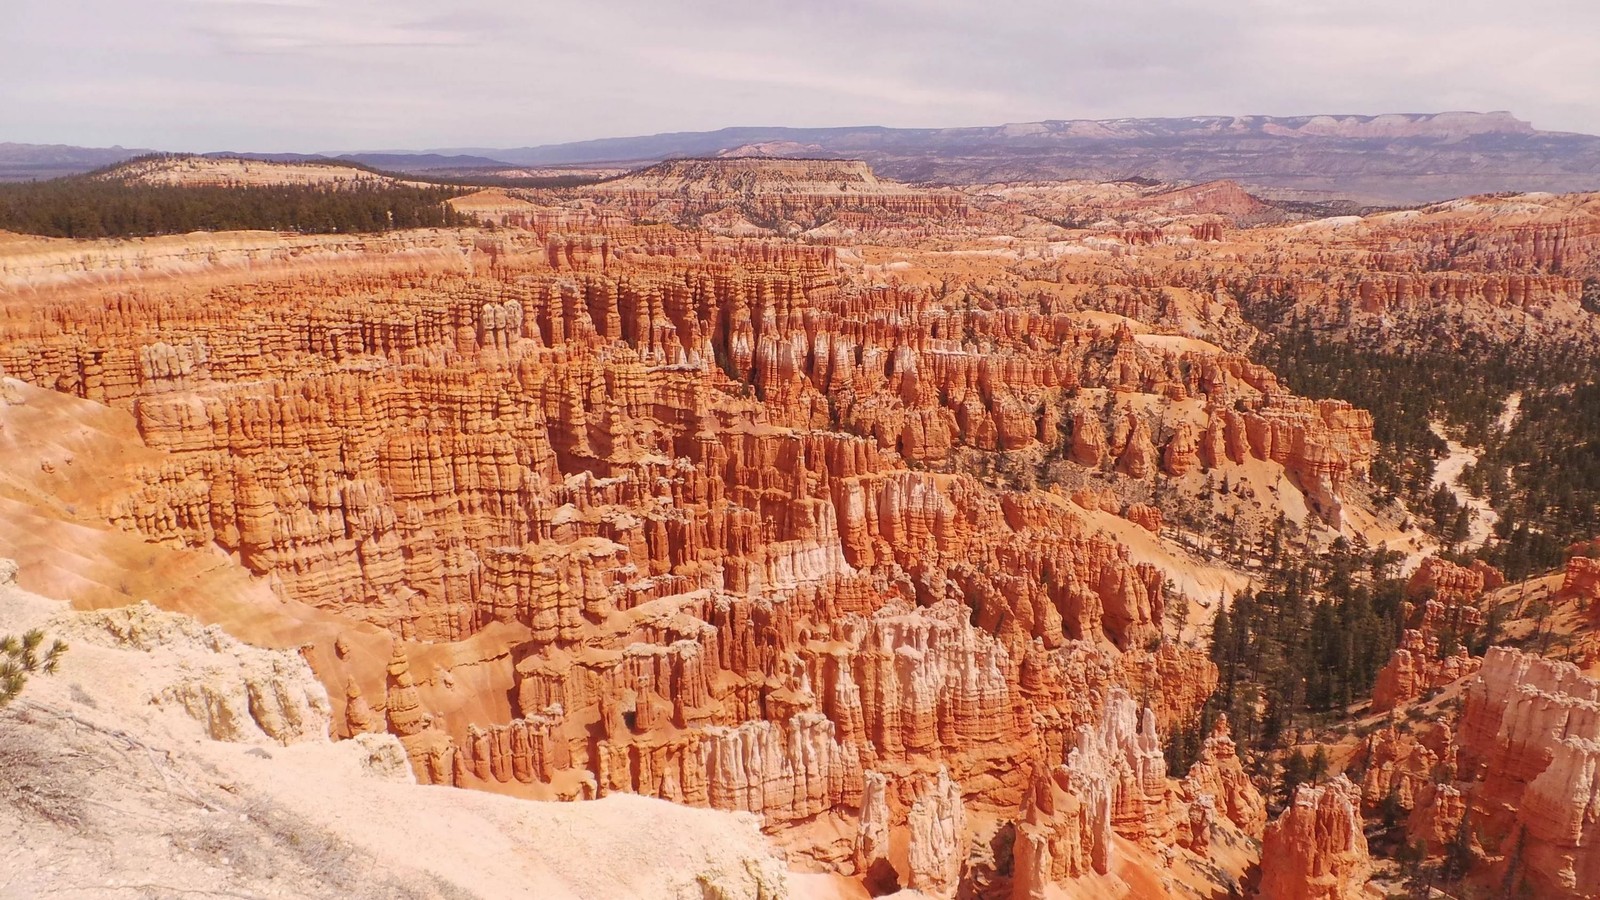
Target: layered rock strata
x,y
610,507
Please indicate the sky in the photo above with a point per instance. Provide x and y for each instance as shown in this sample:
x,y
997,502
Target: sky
x,y
333,75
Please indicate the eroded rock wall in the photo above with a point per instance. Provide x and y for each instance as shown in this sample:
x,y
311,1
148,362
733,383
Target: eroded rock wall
x,y
1317,849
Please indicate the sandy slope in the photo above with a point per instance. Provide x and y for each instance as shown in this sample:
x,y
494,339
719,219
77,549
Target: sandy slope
x,y
109,787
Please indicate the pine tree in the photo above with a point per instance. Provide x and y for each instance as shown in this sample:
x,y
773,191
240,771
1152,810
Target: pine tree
x,y
1296,769
21,657
1461,528
1319,764
1391,809
1458,853
1513,877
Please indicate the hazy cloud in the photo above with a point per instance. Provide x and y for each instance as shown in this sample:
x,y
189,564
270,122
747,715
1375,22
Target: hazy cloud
x,y
379,74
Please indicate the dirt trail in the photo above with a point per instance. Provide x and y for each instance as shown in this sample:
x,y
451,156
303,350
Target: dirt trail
x,y
1508,415
1447,472
1481,516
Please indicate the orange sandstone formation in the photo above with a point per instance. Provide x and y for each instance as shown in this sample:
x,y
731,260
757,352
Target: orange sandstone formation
x,y
1404,767
1582,580
1529,746
1416,668
1145,516
639,518
1316,850
1444,581
1113,784
1219,775
585,505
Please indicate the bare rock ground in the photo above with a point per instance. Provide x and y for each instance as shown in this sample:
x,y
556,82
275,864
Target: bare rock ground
x,y
113,784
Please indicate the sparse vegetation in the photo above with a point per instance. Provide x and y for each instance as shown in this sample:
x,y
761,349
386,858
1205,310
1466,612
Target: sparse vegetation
x,y
37,781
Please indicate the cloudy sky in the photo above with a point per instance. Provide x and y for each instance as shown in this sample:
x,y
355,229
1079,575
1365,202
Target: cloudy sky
x,y
315,75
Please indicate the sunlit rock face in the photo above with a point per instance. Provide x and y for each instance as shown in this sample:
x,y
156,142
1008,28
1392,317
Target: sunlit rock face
x,y
585,505
1317,849
1529,745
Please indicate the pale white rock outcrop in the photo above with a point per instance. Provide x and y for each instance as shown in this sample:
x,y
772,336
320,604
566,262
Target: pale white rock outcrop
x,y
236,691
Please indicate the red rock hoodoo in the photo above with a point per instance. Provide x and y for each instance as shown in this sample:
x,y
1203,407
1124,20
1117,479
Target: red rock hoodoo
x,y
1317,849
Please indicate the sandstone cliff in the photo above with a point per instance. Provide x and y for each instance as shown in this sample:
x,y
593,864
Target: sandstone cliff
x,y
590,506
1529,743
1316,848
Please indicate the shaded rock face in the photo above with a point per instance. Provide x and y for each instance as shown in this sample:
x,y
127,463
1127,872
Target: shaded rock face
x,y
1581,579
1218,783
1316,849
1416,669
1405,767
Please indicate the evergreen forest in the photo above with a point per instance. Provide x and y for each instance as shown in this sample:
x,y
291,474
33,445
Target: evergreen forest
x,y
92,207
1541,475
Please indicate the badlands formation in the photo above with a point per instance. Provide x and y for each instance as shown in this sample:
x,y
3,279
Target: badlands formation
x,y
837,506
167,759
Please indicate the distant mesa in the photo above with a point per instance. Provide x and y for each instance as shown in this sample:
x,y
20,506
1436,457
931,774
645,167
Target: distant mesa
x,y
29,162
776,149
222,171
1397,158
1374,159
754,174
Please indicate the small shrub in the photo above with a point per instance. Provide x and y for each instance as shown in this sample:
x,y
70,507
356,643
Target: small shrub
x,y
21,657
